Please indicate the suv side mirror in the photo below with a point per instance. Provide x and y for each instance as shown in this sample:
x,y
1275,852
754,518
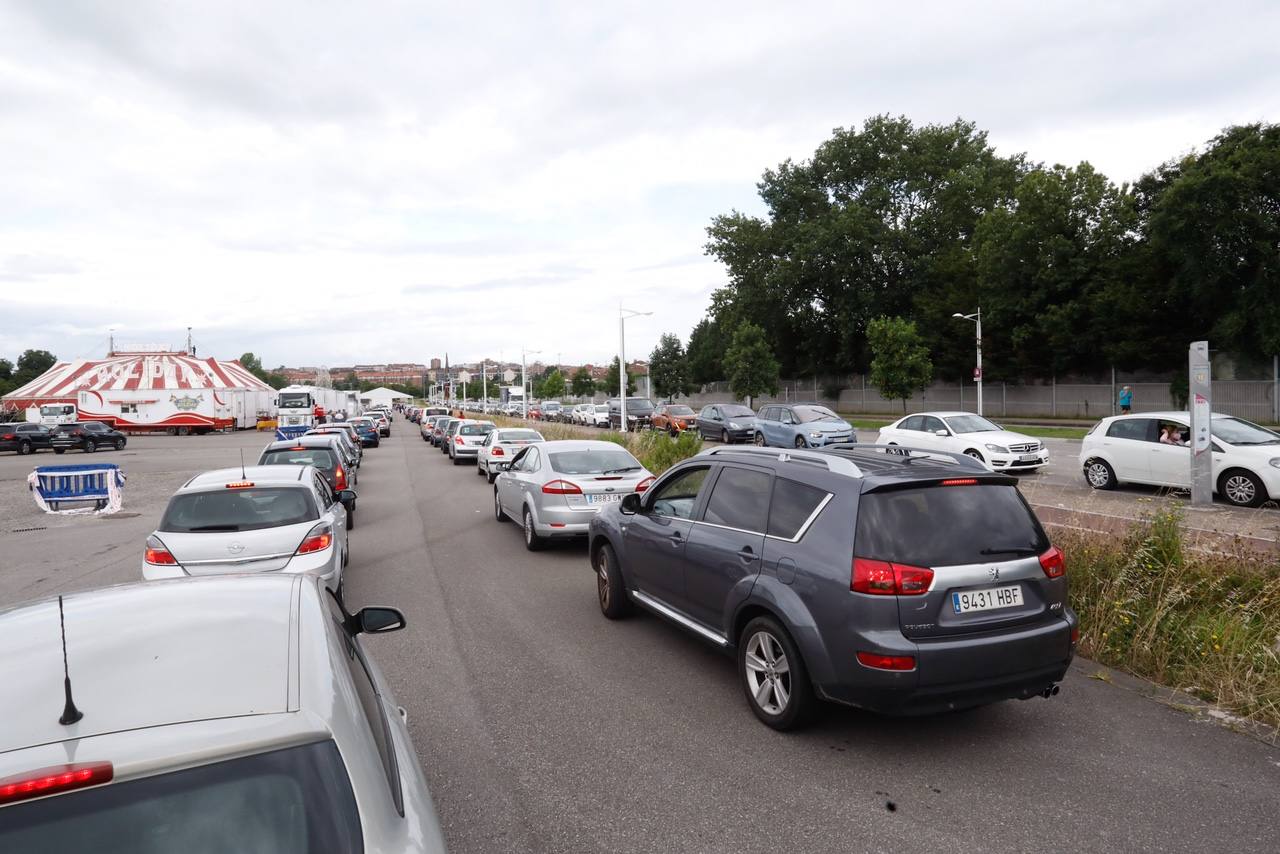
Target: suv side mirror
x,y
630,504
378,619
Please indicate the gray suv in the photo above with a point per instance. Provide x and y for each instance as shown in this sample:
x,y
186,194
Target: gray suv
x,y
895,580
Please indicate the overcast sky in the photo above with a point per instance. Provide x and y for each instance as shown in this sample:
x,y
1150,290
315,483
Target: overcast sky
x,y
336,182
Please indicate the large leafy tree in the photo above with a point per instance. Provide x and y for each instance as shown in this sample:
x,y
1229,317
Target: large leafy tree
x,y
900,364
31,364
609,383
551,386
750,363
669,368
581,384
706,352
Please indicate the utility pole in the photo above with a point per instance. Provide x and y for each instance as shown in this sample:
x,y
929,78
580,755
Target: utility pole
x,y
1200,392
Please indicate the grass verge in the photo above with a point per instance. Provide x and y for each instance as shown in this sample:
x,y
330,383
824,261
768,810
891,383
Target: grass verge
x,y
1205,624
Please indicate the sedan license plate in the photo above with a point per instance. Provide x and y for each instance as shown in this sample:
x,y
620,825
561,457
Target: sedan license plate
x,y
1009,596
603,499
1028,458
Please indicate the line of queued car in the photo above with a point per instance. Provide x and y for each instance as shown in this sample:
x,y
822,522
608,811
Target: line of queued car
x,y
269,727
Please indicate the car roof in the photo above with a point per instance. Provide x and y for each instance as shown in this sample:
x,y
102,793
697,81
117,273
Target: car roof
x,y
304,441
149,654
870,466
944,414
260,475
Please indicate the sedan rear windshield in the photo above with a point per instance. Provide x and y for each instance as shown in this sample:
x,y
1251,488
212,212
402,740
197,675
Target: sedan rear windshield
x,y
321,458
519,436
292,801
476,429
947,526
806,414
238,510
606,460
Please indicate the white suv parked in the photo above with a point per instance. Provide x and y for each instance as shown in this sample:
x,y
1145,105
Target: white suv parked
x,y
1128,449
967,433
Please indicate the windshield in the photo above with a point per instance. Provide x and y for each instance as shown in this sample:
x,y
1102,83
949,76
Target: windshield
x,y
807,414
679,410
519,436
55,410
594,461
321,458
476,429
638,404
292,801
735,411
296,400
970,424
238,510
601,407
1237,431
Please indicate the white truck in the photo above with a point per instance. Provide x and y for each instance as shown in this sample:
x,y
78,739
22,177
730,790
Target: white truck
x,y
296,405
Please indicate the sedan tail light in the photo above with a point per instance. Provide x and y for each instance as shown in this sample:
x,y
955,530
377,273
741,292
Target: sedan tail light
x,y
318,539
497,452
1053,562
457,440
644,484
881,578
56,778
157,554
561,487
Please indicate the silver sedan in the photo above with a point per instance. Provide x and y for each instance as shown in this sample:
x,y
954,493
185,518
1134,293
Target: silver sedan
x,y
555,488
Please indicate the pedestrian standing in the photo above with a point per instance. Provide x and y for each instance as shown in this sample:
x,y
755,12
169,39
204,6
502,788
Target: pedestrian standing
x,y
1126,399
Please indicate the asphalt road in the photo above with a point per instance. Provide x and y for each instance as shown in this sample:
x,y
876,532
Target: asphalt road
x,y
544,727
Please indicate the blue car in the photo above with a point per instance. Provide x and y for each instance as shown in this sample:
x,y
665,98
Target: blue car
x,y
801,425
367,431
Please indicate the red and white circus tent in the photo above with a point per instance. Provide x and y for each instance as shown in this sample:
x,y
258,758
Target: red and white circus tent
x,y
159,372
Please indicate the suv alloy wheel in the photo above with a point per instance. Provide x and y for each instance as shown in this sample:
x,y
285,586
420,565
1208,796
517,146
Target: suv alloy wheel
x,y
773,675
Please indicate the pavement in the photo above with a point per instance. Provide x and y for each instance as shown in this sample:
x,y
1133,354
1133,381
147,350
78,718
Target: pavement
x,y
543,727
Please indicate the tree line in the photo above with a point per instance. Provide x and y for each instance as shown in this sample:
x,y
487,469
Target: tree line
x,y
31,364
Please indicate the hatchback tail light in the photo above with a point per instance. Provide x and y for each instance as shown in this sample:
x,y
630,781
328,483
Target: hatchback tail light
x,y
56,778
318,539
497,452
1053,562
644,484
881,578
157,554
561,487
877,661
457,440
339,478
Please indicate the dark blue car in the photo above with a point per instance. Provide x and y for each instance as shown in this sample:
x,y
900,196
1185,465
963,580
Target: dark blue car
x,y
367,432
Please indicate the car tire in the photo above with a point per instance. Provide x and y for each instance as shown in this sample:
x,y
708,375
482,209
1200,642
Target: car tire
x,y
800,442
351,518
1241,488
759,440
479,471
611,590
90,446
119,444
498,513
24,448
973,453
724,437
59,450
675,434
457,461
1099,474
532,541
491,476
780,699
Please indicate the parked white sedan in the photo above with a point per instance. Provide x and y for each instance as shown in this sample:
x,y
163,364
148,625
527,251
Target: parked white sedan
x,y
967,433
500,447
1154,448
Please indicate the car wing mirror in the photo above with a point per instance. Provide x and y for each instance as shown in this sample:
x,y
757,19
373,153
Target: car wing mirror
x,y
630,504
377,620
941,432
346,496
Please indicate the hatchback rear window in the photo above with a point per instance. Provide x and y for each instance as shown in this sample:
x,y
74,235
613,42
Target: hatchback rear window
x,y
238,510
321,458
594,462
298,799
476,429
947,526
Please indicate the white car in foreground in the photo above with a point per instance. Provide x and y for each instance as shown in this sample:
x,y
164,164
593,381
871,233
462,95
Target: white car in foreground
x,y
967,433
500,448
1127,449
213,714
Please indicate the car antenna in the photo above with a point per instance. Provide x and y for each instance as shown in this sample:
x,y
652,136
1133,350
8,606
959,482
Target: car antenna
x,y
243,476
70,714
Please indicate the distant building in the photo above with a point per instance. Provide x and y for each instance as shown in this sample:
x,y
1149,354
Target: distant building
x,y
435,364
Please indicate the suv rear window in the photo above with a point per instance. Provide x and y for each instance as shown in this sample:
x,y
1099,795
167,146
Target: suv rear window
x,y
947,526
298,799
238,510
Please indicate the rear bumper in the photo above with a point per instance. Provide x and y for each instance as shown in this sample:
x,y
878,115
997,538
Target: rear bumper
x,y
563,522
466,452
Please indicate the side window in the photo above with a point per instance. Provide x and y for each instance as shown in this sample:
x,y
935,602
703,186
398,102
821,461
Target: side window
x,y
787,417
766,414
793,503
932,424
740,499
325,493
677,497
915,422
1137,429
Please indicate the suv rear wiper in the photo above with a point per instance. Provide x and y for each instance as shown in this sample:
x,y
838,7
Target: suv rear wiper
x,y
1011,550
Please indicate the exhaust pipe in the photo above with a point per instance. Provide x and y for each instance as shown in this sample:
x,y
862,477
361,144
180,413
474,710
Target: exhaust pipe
x,y
1050,692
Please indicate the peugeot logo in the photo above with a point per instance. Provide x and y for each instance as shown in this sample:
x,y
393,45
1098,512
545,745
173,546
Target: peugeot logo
x,y
994,572
235,548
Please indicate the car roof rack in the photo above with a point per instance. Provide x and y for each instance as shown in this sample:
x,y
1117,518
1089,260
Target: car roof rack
x,y
837,464
907,454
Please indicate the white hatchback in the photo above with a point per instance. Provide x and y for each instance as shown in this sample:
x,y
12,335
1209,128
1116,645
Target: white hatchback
x,y
1128,449
500,448
967,433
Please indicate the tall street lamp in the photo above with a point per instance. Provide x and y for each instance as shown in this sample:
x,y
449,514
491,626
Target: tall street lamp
x,y
976,317
623,314
524,381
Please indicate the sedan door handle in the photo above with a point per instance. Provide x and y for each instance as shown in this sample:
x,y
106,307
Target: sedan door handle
x,y
747,554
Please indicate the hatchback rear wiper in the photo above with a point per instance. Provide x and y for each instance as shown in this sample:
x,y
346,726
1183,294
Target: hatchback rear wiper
x,y
215,528
619,471
1011,550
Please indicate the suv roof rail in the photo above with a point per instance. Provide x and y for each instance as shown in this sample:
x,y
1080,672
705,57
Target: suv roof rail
x,y
837,464
907,454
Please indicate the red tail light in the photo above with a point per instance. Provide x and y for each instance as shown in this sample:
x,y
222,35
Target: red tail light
x,y
56,778
9,437
1053,562
320,538
497,452
1075,635
339,478
457,440
157,555
644,484
887,662
561,487
881,578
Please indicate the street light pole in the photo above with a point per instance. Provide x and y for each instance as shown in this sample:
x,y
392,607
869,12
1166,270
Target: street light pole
x,y
484,385
623,314
524,381
977,319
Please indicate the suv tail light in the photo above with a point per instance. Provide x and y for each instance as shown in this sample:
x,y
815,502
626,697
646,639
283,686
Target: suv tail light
x,y
156,553
561,487
1053,562
56,778
877,661
9,437
644,484
881,578
339,478
318,539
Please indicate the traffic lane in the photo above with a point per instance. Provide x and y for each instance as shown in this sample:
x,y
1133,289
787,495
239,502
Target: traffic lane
x,y
540,722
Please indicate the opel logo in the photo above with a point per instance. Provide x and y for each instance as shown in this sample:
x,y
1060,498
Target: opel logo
x,y
994,572
235,548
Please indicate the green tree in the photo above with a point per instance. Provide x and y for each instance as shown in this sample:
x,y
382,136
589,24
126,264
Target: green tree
x,y
31,364
582,385
900,363
669,368
706,352
551,386
609,383
6,369
750,364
